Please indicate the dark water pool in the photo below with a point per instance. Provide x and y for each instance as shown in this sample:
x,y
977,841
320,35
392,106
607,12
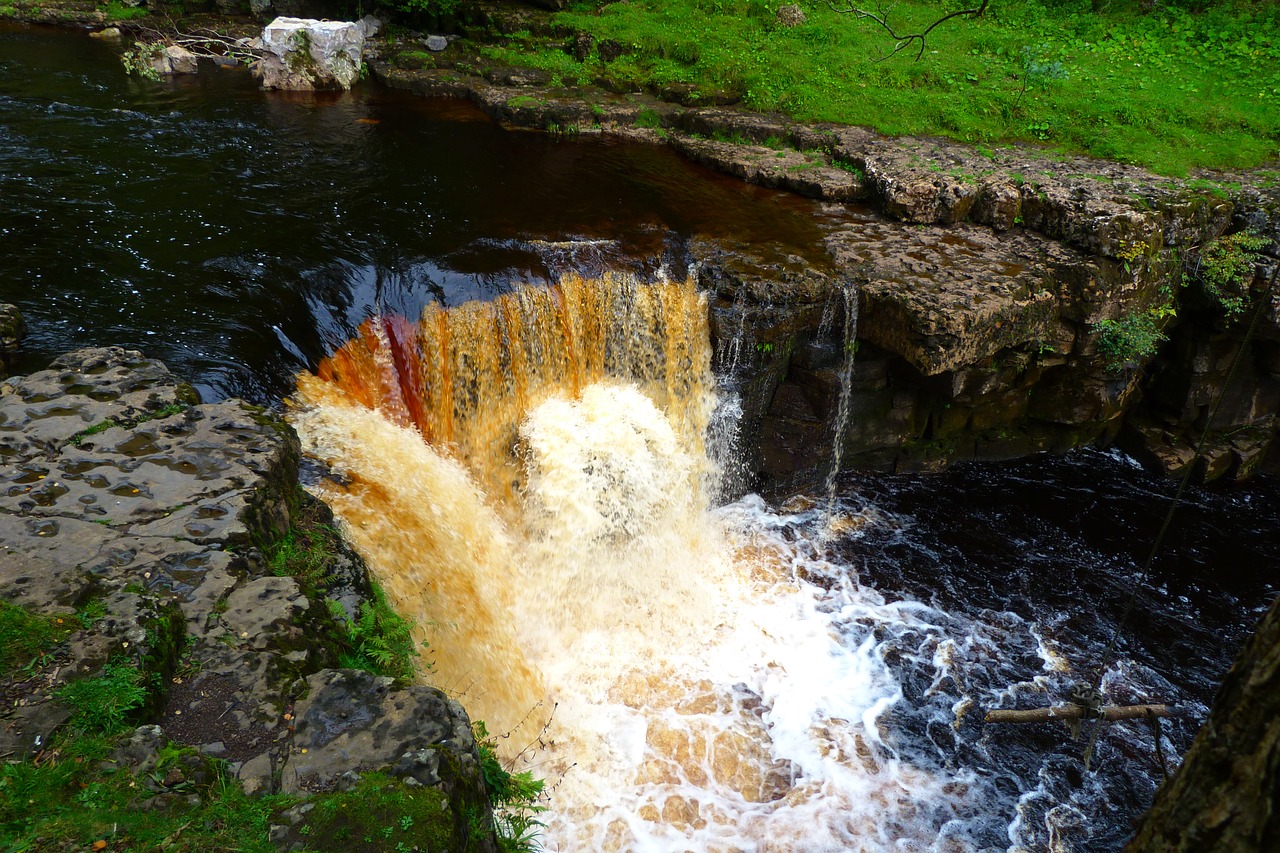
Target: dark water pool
x,y
1038,559
240,234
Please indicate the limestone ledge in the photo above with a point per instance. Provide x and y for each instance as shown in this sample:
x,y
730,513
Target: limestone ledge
x,y
117,484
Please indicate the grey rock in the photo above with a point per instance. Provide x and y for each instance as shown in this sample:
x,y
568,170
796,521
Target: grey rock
x,y
175,59
304,53
141,751
12,331
436,43
354,721
263,609
26,729
256,775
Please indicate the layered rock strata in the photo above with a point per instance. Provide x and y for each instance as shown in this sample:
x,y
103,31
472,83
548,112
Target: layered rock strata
x,y
118,487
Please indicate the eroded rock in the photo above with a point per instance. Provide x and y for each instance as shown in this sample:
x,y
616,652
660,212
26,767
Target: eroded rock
x,y
304,54
12,330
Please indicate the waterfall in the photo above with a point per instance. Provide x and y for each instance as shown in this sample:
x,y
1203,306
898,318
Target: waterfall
x,y
529,480
849,292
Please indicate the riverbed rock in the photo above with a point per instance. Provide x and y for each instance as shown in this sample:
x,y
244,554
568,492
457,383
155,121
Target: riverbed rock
x,y
306,54
12,330
174,59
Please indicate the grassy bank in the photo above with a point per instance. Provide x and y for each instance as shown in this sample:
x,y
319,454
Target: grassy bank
x,y
1171,89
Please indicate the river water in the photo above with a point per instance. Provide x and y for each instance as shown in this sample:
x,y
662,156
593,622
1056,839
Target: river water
x,y
728,675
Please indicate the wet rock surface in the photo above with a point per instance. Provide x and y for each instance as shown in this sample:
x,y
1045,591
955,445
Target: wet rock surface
x,y
12,330
120,490
982,275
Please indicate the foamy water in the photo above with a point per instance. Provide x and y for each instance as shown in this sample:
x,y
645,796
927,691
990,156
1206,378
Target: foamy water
x,y
706,695
684,677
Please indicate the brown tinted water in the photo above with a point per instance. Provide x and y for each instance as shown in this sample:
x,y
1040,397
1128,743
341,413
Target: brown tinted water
x,y
241,235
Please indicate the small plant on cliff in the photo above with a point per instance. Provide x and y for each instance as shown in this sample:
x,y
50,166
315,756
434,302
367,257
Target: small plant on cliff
x,y
379,640
1128,339
140,60
648,118
1226,268
515,797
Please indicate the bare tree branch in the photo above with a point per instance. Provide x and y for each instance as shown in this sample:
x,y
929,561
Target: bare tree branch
x,y
904,40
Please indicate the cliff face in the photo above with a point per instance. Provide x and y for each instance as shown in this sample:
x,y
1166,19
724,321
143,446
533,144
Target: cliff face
x,y
1009,302
998,316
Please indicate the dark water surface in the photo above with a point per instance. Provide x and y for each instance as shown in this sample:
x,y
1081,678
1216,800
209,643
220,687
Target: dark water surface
x,y
1029,566
240,235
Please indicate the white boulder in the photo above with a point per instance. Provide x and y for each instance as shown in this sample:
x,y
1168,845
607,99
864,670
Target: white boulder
x,y
307,54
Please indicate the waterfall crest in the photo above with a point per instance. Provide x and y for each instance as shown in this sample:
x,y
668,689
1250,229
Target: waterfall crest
x,y
529,480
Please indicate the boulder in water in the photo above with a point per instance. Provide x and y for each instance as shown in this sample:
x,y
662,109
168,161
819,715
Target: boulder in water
x,y
174,60
11,331
307,54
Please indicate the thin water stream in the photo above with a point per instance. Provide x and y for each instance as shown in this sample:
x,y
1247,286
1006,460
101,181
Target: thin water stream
x,y
532,471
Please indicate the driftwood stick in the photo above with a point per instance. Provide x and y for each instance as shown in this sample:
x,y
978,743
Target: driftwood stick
x,y
1109,713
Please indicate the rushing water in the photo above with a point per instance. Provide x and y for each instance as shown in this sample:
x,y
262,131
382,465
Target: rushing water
x,y
534,478
241,235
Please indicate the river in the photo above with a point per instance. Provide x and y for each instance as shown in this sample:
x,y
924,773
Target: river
x,y
789,677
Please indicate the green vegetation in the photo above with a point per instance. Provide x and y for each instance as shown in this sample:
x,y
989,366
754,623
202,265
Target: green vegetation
x,y
648,118
515,798
115,10
306,554
379,814
523,101
77,795
1226,269
379,641
1131,338
106,704
1171,87
26,637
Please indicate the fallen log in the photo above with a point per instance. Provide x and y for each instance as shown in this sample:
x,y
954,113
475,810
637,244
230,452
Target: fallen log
x,y
1110,713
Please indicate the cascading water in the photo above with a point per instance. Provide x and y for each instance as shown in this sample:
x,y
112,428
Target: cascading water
x,y
529,480
843,409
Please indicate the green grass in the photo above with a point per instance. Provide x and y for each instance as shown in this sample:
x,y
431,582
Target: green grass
x,y
25,637
74,797
106,704
1168,89
118,11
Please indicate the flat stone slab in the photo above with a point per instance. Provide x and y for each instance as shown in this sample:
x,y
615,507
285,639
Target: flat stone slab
x,y
944,298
